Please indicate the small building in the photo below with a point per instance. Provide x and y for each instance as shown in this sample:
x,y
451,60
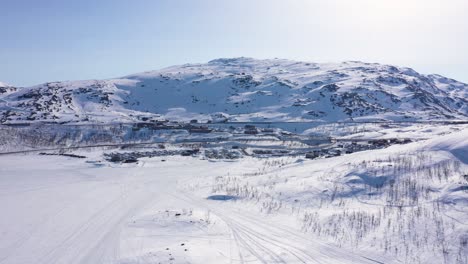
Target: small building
x,y
380,142
201,129
189,152
251,131
313,155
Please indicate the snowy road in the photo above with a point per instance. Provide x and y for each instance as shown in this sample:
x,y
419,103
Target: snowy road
x,y
64,210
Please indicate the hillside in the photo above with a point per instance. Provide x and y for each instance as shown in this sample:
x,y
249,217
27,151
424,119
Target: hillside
x,y
244,89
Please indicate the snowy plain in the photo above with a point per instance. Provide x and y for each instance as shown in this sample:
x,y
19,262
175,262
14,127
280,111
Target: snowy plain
x,y
402,204
69,212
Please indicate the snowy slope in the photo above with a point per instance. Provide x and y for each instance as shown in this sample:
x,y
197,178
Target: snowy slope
x,y
244,89
6,89
407,202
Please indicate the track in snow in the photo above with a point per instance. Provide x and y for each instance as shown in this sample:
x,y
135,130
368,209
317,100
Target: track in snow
x,y
67,211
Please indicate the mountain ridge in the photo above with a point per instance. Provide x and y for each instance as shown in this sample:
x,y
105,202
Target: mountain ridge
x,y
244,89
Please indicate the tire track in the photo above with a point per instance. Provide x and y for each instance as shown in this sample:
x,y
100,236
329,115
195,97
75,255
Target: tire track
x,y
269,236
254,241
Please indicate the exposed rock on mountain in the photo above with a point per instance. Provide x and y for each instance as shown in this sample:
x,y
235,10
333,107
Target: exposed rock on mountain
x,y
244,89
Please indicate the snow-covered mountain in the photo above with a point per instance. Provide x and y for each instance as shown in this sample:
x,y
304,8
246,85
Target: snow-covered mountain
x,y
244,89
6,89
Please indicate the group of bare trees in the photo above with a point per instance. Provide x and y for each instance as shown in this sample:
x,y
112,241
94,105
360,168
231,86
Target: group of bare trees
x,y
401,205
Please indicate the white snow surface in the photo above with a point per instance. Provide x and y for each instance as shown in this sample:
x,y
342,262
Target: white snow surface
x,y
69,212
403,204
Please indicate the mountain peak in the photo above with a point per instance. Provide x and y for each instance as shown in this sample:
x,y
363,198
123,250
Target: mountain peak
x,y
236,60
2,84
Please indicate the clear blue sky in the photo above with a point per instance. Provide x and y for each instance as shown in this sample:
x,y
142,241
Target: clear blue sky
x,y
51,40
